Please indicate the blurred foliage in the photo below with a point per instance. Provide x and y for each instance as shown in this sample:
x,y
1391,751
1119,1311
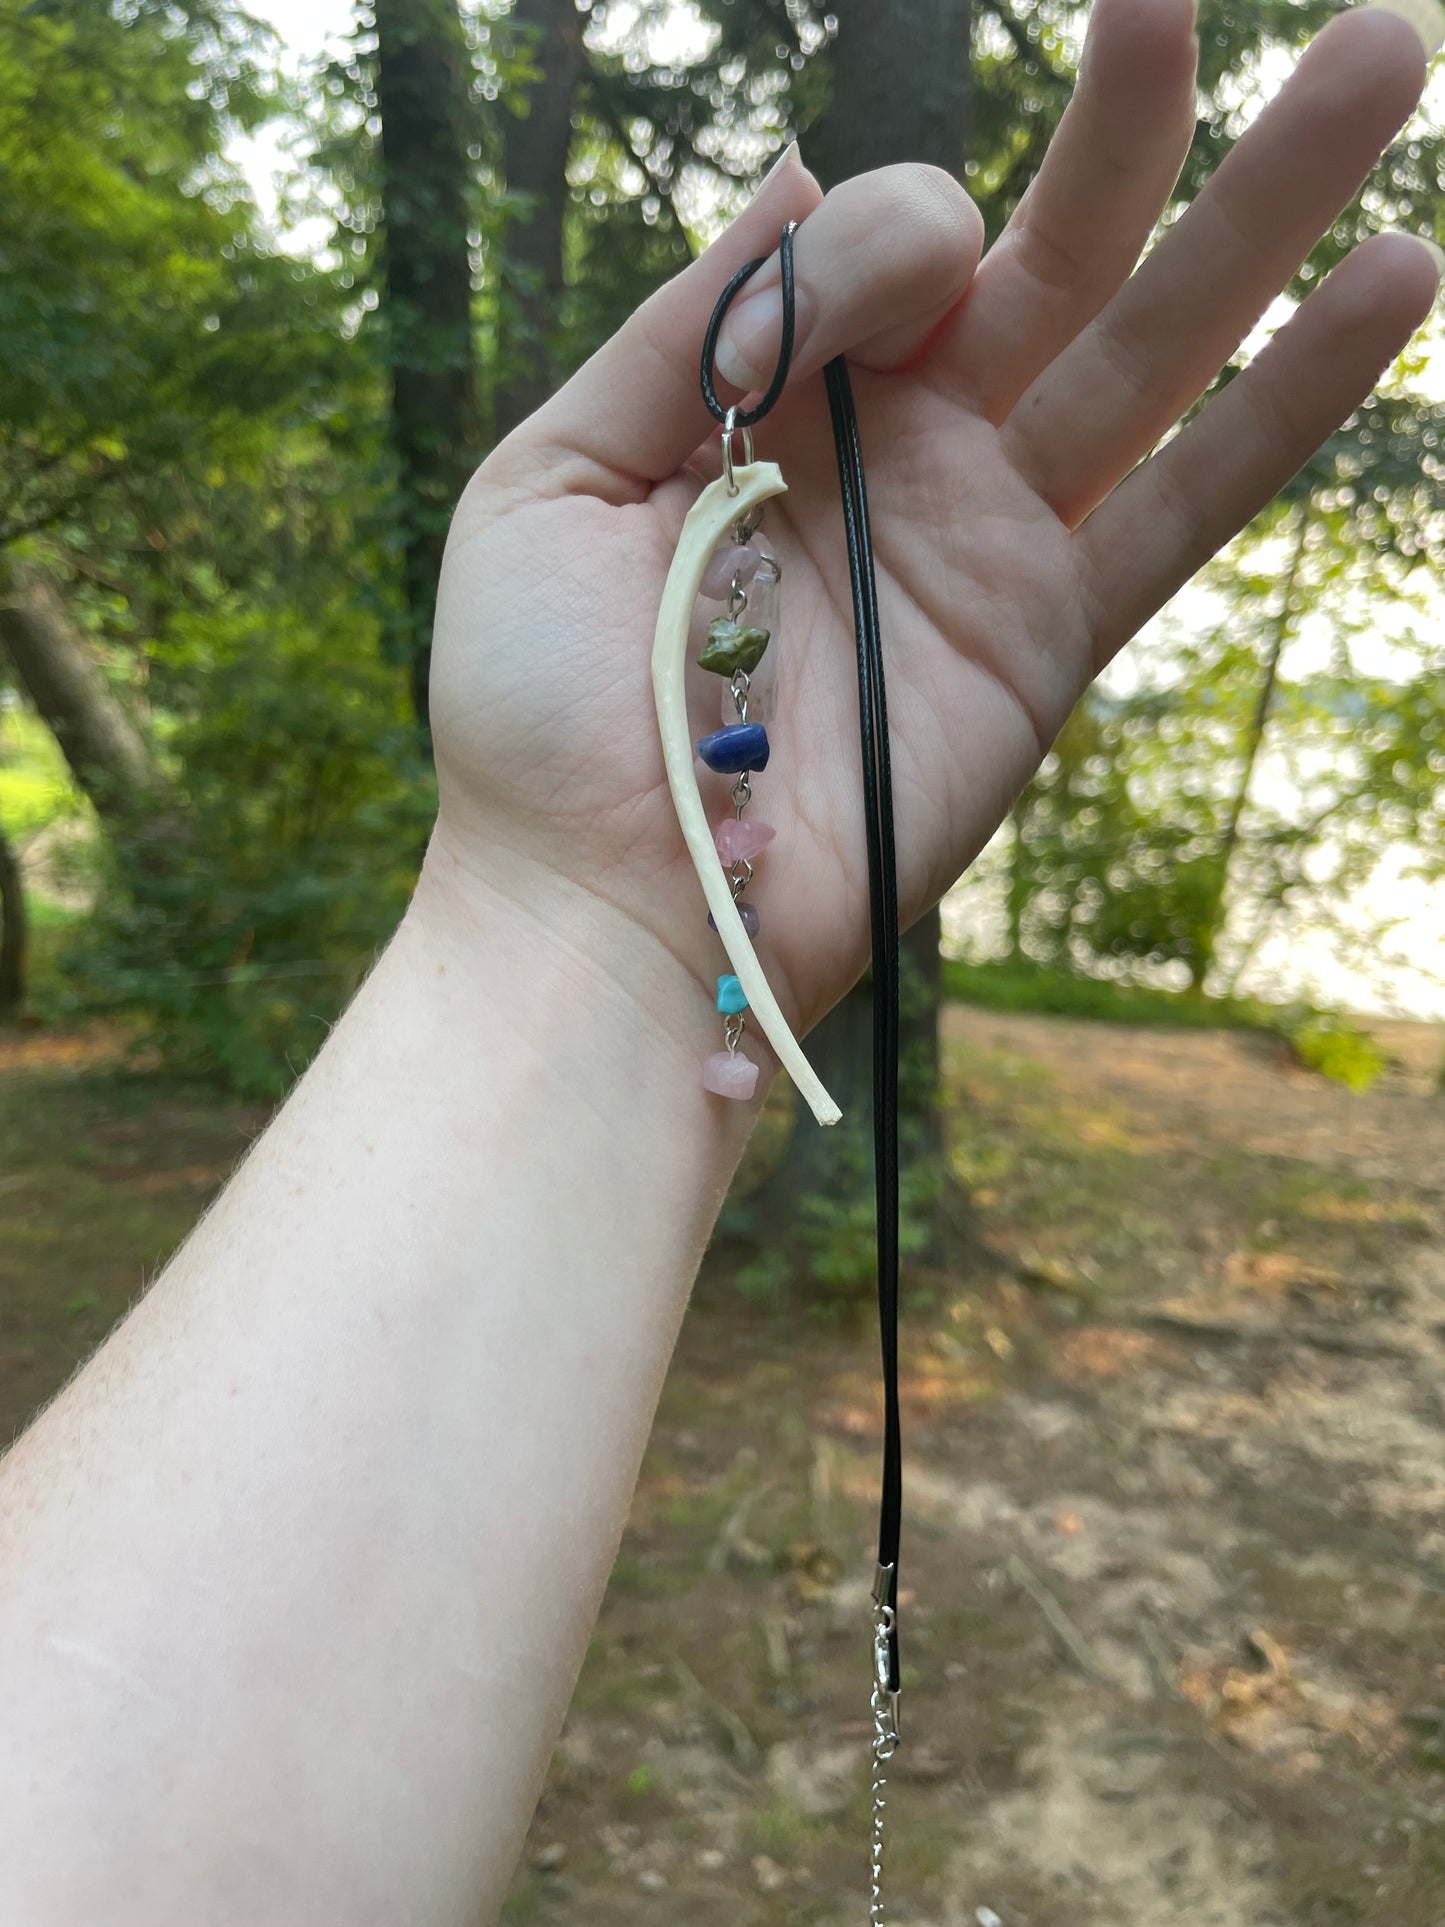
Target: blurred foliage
x,y
192,452
306,812
195,449
1148,838
34,790
1331,1044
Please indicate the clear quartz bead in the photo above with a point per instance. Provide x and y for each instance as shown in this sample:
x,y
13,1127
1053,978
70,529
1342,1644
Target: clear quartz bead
x,y
761,612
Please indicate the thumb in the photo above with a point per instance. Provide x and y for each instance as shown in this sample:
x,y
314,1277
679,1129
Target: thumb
x,y
877,267
635,410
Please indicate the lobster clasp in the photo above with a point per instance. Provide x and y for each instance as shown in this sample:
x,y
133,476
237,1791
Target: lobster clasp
x,y
885,1695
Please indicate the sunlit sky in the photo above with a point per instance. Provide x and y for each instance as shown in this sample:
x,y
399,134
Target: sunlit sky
x,y
1309,962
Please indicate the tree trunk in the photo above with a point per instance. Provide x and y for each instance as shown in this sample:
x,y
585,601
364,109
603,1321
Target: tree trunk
x,y
13,930
537,147
1016,881
422,85
901,89
1280,630
108,756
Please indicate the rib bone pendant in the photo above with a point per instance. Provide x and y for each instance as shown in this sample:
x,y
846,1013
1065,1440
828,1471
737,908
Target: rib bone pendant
x,y
714,512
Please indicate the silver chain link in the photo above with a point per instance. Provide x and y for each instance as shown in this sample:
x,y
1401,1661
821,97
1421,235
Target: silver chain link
x,y
740,687
875,1851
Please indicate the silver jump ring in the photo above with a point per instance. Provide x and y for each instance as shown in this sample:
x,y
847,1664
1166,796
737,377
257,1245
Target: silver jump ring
x,y
729,429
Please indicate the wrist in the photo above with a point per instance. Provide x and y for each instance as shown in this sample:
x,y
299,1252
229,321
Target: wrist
x,y
514,949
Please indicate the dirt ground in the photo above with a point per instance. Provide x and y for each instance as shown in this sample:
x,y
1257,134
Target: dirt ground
x,y
1174,1557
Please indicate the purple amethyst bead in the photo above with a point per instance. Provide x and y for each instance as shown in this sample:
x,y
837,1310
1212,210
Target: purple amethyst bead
x,y
751,922
739,747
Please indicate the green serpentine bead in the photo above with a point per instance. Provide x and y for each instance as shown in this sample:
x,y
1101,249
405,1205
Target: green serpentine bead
x,y
730,647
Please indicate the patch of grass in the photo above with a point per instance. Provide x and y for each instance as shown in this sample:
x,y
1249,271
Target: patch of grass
x,y
1021,986
658,1575
779,1828
1048,1165
1349,1224
49,998
1338,1049
103,1177
526,1902
1322,1040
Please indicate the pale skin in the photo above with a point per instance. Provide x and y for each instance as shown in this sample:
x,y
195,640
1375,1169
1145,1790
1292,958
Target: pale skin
x,y
296,1576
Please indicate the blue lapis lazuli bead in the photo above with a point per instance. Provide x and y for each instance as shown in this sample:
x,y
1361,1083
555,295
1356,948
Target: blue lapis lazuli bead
x,y
731,997
738,747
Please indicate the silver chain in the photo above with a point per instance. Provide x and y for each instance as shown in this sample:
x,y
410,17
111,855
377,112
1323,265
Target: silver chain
x,y
740,874
875,1852
885,1737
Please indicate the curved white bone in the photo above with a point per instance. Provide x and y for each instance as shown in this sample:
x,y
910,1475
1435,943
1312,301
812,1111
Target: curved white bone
x,y
708,520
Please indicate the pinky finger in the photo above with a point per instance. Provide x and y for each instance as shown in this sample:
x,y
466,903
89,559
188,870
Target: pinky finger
x,y
1179,508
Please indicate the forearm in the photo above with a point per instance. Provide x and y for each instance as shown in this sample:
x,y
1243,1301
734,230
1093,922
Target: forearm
x,y
299,1572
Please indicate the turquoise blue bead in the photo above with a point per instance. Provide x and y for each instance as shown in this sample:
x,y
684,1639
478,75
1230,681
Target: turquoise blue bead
x,y
738,747
730,996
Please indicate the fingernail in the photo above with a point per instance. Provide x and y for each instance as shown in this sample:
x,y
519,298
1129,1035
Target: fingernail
x,y
748,344
747,348
1427,17
791,154
1437,254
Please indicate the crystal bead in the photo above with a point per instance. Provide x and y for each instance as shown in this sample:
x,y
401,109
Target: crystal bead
x,y
735,748
731,997
750,919
738,559
741,838
761,612
729,1074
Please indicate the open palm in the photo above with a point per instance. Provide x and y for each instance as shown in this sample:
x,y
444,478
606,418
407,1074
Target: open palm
x,y
1006,409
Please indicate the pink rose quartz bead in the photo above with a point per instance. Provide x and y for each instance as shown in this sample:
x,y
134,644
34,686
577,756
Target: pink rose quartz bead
x,y
737,559
729,1074
741,838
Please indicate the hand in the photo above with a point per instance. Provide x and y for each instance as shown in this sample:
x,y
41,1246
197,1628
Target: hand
x,y
1005,409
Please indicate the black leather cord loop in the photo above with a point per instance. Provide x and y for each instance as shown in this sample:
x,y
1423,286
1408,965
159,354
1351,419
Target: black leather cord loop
x,y
882,868
748,417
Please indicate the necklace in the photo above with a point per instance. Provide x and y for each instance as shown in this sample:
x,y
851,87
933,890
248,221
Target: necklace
x,y
729,511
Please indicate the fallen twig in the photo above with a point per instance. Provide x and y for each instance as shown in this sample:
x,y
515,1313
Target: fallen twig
x,y
1060,1624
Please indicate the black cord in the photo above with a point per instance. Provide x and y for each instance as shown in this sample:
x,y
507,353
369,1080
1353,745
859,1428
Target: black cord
x,y
882,865
746,417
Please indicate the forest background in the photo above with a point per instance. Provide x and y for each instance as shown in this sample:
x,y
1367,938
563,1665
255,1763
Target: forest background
x,y
236,413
